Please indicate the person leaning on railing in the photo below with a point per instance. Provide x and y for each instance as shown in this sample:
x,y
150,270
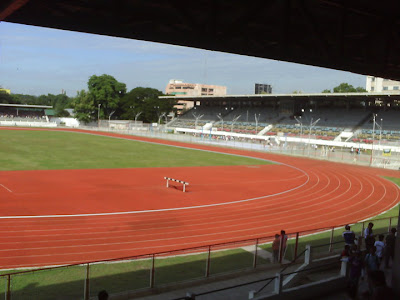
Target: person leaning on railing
x,y
369,237
349,236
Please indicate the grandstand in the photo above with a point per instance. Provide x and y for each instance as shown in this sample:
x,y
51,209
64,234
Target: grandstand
x,y
292,114
26,115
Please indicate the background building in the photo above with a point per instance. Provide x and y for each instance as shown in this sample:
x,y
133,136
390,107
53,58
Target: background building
x,y
261,88
7,91
377,84
178,87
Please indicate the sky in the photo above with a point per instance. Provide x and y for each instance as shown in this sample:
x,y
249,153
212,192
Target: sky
x,y
36,61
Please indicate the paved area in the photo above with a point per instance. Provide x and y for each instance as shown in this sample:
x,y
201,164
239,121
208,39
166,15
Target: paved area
x,y
235,293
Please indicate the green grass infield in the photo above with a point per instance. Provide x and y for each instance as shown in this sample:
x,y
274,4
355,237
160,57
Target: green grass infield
x,y
51,150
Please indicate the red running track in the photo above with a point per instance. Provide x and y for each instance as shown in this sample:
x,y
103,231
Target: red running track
x,y
70,216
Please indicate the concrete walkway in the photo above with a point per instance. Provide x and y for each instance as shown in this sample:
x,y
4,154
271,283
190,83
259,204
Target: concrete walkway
x,y
216,283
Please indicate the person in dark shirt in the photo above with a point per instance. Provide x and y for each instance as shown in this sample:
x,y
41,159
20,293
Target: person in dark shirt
x,y
389,246
348,236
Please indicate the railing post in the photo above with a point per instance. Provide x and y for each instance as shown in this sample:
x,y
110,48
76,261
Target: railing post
x,y
281,248
87,283
331,241
296,246
208,262
390,224
307,255
343,268
255,254
152,271
8,292
278,283
363,228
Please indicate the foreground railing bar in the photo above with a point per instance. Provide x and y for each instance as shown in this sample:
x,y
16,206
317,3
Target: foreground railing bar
x,y
324,245
235,286
312,268
294,260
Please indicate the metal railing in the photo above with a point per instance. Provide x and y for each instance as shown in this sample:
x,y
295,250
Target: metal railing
x,y
299,149
124,274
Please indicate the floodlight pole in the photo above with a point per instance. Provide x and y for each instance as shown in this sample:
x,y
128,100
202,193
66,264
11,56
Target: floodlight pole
x,y
160,117
257,118
98,115
197,119
373,138
312,124
301,127
234,121
136,117
109,118
222,120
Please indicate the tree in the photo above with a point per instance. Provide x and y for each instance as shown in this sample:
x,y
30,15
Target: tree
x,y
347,88
106,91
145,100
103,98
326,91
84,107
5,98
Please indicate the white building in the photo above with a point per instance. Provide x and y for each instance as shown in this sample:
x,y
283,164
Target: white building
x,y
377,84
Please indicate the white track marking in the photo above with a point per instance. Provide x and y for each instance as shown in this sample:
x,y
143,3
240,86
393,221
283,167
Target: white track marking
x,y
6,188
163,209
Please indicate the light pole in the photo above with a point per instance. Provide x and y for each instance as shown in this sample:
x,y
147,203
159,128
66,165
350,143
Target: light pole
x,y
222,120
98,115
137,116
301,126
257,118
373,137
160,117
380,133
109,118
312,124
233,121
197,119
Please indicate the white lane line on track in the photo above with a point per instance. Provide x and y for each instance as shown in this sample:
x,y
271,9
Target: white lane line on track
x,y
6,188
175,208
142,241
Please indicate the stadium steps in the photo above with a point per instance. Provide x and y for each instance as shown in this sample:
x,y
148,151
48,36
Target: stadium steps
x,y
362,122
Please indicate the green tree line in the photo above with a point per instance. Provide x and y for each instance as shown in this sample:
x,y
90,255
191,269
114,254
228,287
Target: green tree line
x,y
345,88
104,97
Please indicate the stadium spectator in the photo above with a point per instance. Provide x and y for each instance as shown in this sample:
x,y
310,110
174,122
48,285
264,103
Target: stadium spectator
x,y
389,247
378,289
275,248
349,236
283,243
345,253
379,245
371,260
369,237
356,265
103,295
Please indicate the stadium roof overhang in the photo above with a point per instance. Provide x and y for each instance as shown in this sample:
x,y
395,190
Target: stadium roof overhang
x,y
358,36
26,106
316,96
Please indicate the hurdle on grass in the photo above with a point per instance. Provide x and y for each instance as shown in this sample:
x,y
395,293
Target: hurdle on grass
x,y
184,183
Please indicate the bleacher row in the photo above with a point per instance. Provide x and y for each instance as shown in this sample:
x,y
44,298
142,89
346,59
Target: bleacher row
x,y
331,122
24,117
